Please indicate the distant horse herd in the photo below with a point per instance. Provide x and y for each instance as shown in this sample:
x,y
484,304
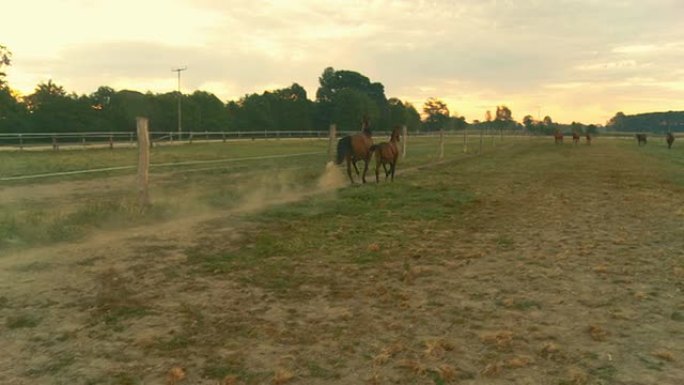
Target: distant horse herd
x,y
558,137
641,138
669,138
360,147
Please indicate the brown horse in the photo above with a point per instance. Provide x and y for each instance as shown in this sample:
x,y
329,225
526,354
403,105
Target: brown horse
x,y
387,153
558,137
353,148
641,138
575,137
588,136
670,139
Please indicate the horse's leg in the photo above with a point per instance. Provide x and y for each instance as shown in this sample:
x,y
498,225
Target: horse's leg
x,y
365,169
384,167
349,163
393,168
356,168
377,169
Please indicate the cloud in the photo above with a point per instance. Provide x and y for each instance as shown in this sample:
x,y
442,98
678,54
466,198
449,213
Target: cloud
x,y
569,55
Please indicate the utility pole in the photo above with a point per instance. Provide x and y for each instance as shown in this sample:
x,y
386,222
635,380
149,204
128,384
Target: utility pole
x,y
179,70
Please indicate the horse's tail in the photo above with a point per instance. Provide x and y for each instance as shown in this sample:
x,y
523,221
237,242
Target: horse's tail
x,y
343,148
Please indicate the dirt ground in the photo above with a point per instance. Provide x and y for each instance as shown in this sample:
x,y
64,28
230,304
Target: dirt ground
x,y
565,267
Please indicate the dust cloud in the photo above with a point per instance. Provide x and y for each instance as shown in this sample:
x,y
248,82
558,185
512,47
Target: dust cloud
x,y
286,187
332,178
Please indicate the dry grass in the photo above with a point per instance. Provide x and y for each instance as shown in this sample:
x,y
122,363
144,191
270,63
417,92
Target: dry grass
x,y
501,339
471,282
413,366
550,351
175,375
597,333
519,362
663,354
493,369
282,376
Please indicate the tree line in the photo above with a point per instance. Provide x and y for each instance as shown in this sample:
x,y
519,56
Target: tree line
x,y
343,97
658,122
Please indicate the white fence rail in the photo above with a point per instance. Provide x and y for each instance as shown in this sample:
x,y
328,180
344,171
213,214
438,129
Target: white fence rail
x,y
57,140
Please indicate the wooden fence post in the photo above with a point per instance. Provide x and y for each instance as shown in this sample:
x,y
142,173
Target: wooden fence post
x,y
21,142
111,142
465,140
143,162
441,144
481,137
224,136
405,138
55,145
331,142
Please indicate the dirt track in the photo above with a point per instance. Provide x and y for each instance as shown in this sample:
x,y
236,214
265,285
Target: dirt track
x,y
565,268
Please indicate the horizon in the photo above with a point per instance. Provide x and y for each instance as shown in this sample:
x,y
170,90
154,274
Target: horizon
x,y
577,61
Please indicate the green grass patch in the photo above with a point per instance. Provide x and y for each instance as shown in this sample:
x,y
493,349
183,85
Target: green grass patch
x,y
53,366
219,369
360,225
24,226
20,321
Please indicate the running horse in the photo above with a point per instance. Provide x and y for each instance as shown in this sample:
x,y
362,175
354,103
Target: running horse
x,y
558,137
386,153
640,138
575,137
670,140
353,148
588,136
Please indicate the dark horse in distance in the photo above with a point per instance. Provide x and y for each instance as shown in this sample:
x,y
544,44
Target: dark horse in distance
x,y
386,153
353,148
641,138
575,137
670,139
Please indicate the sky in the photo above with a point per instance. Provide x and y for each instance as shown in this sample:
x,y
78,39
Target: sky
x,y
573,60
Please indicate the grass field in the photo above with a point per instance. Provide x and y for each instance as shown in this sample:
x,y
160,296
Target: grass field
x,y
529,264
186,180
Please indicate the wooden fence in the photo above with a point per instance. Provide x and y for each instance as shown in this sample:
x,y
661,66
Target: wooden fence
x,y
71,140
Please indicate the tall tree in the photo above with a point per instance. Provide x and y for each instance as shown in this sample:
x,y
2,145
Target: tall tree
x,y
331,92
504,114
413,122
548,126
528,122
436,114
291,108
5,60
351,107
13,114
617,122
205,112
52,109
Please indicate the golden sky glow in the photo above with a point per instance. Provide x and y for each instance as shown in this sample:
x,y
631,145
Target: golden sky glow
x,y
580,60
